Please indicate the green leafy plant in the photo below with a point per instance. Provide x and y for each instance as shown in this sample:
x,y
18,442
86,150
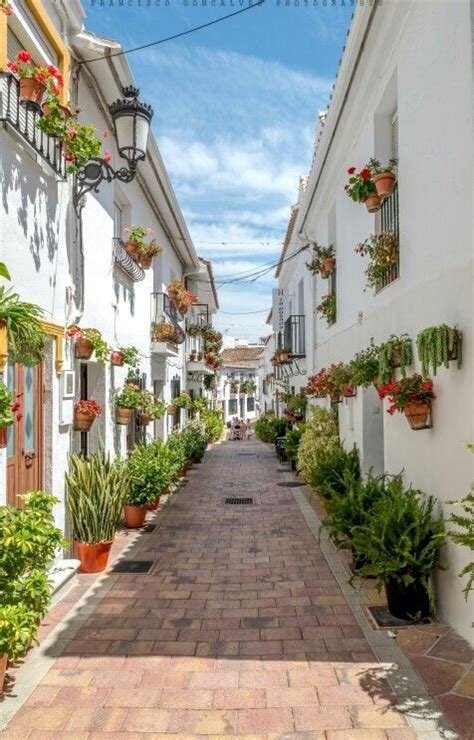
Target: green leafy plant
x,y
320,254
195,439
26,336
383,253
148,473
320,434
183,401
341,380
292,442
131,357
464,534
234,386
407,392
248,386
400,537
6,401
29,541
268,427
296,405
129,397
199,405
96,489
213,424
137,236
364,367
335,467
193,330
360,185
80,144
4,273
438,345
209,382
152,406
376,168
328,308
101,348
395,352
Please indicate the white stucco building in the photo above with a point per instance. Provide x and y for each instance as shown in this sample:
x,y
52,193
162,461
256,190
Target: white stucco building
x,y
238,391
69,258
404,89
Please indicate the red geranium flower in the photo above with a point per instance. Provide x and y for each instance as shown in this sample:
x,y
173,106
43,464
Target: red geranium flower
x,y
24,56
351,170
69,157
13,67
40,76
365,173
107,157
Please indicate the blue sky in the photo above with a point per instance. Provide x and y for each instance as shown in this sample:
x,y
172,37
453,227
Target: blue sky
x,y
235,115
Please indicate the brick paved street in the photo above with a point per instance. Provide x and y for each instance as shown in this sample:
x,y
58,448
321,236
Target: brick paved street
x,y
240,629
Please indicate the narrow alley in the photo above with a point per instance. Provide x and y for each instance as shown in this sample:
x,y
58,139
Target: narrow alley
x,y
238,628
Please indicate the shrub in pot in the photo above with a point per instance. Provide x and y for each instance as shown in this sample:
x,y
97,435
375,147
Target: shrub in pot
x,y
329,474
87,342
327,307
96,489
29,542
146,481
320,433
126,356
127,400
85,413
412,396
195,440
292,441
151,409
400,538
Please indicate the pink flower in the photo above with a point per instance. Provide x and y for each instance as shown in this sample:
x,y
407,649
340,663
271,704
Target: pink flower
x,y
107,157
7,10
105,134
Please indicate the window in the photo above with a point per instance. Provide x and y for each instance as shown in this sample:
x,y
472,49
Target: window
x,y
388,216
118,221
232,407
251,404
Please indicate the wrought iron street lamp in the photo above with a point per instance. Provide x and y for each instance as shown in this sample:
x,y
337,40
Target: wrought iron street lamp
x,y
131,118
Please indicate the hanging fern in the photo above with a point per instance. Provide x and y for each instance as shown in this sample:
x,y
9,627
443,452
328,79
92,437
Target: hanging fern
x,y
437,346
395,352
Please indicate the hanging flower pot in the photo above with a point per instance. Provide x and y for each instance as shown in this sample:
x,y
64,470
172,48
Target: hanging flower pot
x,y
384,183
144,419
94,558
372,203
349,391
31,91
145,261
407,601
117,359
85,412
3,437
134,516
418,415
123,415
83,348
132,249
82,421
171,409
329,265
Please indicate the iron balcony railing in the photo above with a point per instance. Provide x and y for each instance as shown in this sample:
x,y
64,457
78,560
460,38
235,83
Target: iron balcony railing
x,y
390,221
22,118
294,336
128,265
164,311
198,314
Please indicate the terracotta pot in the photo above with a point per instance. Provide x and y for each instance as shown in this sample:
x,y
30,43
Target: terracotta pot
x,y
123,416
3,668
145,261
83,348
116,358
82,421
284,357
144,420
172,409
373,203
417,415
94,558
31,91
329,265
47,110
3,437
384,183
324,274
132,249
153,506
134,516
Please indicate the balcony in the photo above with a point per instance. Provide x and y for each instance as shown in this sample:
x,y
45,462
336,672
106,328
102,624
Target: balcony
x,y
128,265
166,332
293,337
198,315
20,120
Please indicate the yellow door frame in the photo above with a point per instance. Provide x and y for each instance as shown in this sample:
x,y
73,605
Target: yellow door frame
x,y
50,33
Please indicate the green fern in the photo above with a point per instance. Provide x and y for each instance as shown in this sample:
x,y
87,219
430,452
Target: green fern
x,y
464,535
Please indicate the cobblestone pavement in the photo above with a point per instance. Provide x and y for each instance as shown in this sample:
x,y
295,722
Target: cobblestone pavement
x,y
240,629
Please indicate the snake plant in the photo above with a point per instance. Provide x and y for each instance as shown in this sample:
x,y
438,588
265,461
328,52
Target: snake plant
x,y
96,490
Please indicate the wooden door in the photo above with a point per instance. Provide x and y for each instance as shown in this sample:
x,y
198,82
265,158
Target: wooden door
x,y
25,437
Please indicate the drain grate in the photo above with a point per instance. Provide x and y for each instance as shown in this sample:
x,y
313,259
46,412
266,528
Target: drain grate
x,y
382,619
239,501
132,566
291,484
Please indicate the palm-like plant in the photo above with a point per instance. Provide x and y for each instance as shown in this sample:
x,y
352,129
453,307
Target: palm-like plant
x,y
96,491
26,336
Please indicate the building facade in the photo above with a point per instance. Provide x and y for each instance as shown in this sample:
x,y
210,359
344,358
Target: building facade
x,y
404,89
238,391
67,255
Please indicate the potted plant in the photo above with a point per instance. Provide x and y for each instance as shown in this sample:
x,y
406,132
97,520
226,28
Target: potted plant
x,y
87,342
396,352
147,254
318,384
163,332
248,386
439,345
384,177
127,400
209,382
284,355
234,386
171,409
400,539
25,333
125,356
328,308
183,401
180,296
193,330
145,482
34,81
6,414
96,490
151,409
85,413
29,542
296,404
361,188
137,247
342,380
364,367
412,396
383,253
323,262
464,534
